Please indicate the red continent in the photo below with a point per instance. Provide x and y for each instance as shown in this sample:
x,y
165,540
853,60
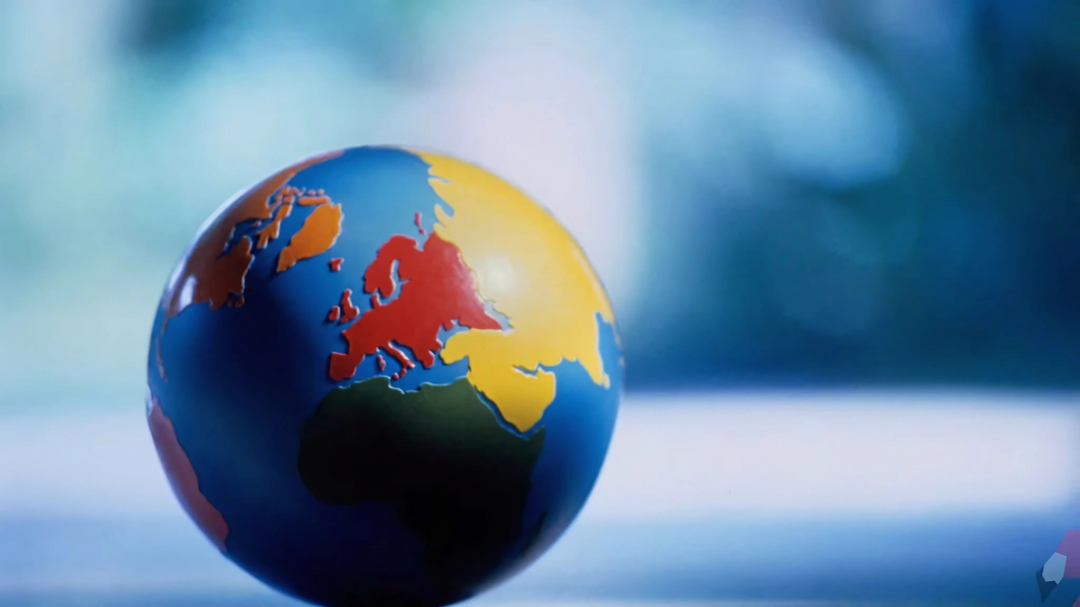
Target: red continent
x,y
348,311
437,290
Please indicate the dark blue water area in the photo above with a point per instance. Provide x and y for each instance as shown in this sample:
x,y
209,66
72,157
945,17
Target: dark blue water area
x,y
243,380
577,426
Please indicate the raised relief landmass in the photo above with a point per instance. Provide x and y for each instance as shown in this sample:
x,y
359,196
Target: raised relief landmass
x,y
437,291
183,479
534,274
214,273
438,456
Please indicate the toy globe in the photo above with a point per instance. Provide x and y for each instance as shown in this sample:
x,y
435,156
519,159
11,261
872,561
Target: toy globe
x,y
383,377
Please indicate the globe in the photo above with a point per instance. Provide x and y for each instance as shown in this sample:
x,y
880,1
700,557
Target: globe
x,y
383,376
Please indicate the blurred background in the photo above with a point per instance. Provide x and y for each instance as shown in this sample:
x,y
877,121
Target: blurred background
x,y
841,237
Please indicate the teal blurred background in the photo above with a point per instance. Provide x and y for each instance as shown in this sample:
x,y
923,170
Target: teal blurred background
x,y
856,218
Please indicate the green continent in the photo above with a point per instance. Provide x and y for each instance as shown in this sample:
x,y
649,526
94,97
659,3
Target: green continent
x,y
439,456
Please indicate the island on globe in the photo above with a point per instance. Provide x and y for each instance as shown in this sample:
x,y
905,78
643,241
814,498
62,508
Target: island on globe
x,y
383,377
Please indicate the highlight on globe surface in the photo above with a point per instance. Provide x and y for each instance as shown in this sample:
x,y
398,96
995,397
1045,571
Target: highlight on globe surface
x,y
383,377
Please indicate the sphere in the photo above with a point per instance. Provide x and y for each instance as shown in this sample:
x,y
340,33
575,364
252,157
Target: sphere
x,y
383,376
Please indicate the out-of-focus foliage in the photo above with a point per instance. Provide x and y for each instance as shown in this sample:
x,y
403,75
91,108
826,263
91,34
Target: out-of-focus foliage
x,y
844,192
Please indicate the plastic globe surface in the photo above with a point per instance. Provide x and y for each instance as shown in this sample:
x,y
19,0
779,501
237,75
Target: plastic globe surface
x,y
383,377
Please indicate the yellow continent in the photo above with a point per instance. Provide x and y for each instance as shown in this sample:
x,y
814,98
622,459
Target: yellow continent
x,y
535,274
